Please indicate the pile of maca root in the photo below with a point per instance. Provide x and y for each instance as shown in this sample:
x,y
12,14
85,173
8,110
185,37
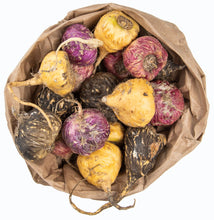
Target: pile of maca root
x,y
103,97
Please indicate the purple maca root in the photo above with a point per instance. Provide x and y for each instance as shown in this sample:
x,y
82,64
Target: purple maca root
x,y
85,131
169,103
79,53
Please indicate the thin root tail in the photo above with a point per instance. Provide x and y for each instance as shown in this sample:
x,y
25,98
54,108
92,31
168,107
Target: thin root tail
x,y
16,98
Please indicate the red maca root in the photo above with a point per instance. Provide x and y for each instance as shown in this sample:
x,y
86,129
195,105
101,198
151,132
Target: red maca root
x,y
62,150
114,64
169,103
145,57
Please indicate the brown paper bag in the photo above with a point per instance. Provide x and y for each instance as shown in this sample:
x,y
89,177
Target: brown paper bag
x,y
183,136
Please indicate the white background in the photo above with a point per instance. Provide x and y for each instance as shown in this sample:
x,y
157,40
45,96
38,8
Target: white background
x,y
186,191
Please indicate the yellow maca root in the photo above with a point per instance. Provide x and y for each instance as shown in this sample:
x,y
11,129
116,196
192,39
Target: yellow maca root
x,y
132,102
116,30
101,167
55,73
